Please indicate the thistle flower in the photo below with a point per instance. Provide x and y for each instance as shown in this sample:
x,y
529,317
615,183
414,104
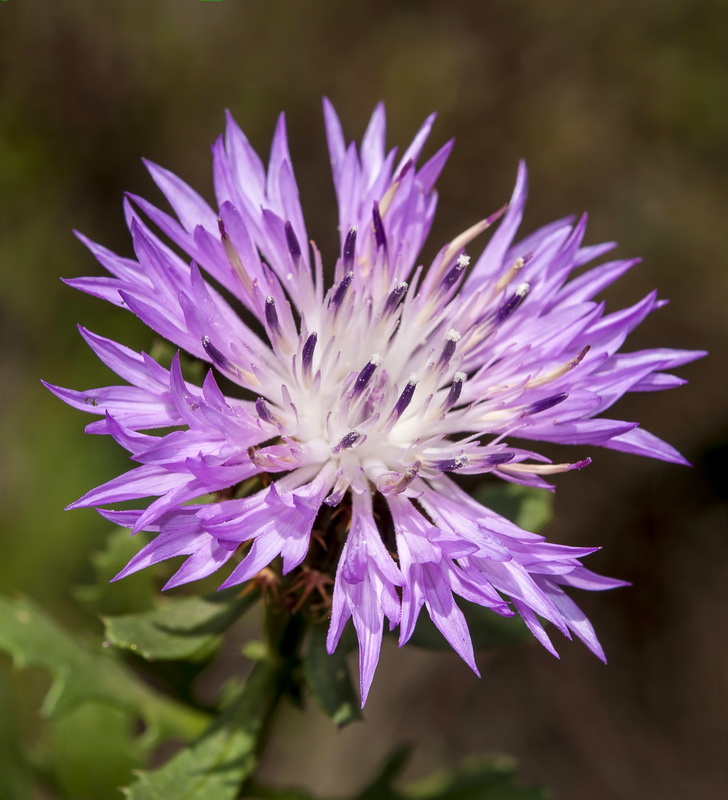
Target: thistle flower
x,y
360,400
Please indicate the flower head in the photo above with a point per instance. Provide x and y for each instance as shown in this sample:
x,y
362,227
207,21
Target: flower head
x,y
358,400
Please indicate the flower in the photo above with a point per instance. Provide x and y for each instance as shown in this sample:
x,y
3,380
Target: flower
x,y
357,403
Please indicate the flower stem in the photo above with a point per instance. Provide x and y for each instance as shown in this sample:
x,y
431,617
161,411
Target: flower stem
x,y
274,676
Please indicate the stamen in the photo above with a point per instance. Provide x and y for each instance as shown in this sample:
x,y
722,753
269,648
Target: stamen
x,y
264,412
515,300
455,388
451,464
293,246
271,317
395,297
379,235
341,289
350,248
467,236
547,469
351,438
454,274
307,354
396,483
499,458
546,403
365,375
559,371
451,339
233,257
519,264
405,398
219,359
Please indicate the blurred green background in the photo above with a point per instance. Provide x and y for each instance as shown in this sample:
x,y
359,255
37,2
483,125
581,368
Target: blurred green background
x,y
620,109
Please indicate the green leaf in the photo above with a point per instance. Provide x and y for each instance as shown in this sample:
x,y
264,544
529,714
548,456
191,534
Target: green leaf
x,y
182,628
529,508
477,778
14,770
81,674
133,594
87,764
215,765
329,680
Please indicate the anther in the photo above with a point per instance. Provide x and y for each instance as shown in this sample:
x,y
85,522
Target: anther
x,y
546,403
307,354
219,359
451,464
232,256
365,375
271,317
395,297
379,235
350,248
293,246
499,458
405,398
456,388
512,303
451,339
348,441
341,290
452,277
263,411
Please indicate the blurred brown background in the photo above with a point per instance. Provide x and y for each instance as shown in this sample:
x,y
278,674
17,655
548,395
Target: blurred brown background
x,y
620,109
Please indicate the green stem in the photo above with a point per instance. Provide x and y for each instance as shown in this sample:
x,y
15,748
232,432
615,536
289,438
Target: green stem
x,y
273,677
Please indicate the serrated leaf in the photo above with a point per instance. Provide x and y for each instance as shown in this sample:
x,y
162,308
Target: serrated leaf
x,y
81,674
182,628
87,764
329,680
132,595
215,765
529,508
487,629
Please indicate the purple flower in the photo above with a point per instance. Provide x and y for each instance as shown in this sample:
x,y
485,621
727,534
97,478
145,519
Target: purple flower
x,y
360,399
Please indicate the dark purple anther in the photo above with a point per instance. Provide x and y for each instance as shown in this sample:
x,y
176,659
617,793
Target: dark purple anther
x,y
350,248
349,440
395,297
221,228
341,289
451,340
451,464
515,300
379,235
293,246
365,376
263,411
546,403
219,359
454,274
455,388
307,355
271,317
404,399
499,458
406,167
